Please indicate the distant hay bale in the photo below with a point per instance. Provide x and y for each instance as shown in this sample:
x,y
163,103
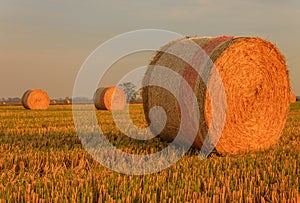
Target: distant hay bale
x,y
293,98
53,102
256,83
35,100
67,102
110,98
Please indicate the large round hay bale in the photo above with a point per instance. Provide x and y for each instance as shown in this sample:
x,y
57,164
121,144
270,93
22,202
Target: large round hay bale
x,y
67,102
293,98
257,88
35,100
110,98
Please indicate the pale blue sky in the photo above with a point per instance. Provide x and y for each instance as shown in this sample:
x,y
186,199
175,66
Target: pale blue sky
x,y
43,43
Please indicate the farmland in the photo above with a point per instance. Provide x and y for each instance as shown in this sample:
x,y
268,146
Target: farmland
x,y
42,160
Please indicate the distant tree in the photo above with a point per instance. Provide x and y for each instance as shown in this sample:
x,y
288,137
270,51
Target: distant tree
x,y
137,97
13,100
16,99
83,100
129,89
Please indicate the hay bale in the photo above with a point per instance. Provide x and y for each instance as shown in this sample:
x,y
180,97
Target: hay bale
x,y
256,83
67,102
293,98
35,99
109,98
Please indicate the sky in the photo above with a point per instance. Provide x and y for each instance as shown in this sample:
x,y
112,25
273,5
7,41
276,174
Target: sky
x,y
44,43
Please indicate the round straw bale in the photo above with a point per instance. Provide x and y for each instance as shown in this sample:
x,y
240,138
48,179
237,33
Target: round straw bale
x,y
67,102
257,88
110,98
293,98
35,99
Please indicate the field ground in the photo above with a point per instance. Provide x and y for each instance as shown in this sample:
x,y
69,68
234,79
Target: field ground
x,y
42,159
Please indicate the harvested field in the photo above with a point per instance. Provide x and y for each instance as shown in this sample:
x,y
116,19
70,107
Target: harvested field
x,y
42,156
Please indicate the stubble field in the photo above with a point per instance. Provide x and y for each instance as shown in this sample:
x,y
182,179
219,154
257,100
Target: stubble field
x,y
42,160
